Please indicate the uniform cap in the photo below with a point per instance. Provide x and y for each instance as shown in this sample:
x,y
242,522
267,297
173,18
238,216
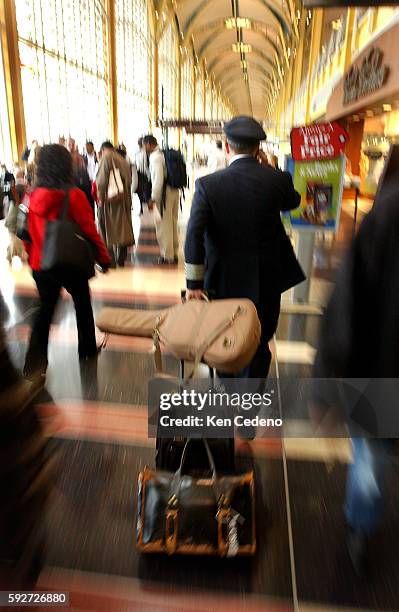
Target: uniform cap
x,y
244,129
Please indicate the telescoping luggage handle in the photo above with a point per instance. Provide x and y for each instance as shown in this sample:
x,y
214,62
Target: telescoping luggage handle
x,y
224,513
223,325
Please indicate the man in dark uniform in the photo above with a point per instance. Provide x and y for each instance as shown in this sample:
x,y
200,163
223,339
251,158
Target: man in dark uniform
x,y
236,245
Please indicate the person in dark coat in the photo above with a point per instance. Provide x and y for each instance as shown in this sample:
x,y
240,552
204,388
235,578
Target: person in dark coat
x,y
80,173
236,246
26,475
359,339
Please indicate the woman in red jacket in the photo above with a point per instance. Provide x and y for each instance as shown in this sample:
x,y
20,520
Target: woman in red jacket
x,y
54,176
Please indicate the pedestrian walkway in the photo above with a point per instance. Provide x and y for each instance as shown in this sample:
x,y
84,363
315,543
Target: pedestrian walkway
x,y
96,418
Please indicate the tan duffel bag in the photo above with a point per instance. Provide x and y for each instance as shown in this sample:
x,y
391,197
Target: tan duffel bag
x,y
127,321
224,334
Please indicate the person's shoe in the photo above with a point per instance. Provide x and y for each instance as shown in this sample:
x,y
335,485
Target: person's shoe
x,y
161,261
88,356
247,433
356,544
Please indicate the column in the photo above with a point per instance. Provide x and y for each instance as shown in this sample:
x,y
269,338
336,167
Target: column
x,y
317,31
350,24
12,76
298,62
112,75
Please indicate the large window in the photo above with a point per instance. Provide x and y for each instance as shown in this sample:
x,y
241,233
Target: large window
x,y
208,100
63,46
5,138
133,62
199,94
167,75
187,87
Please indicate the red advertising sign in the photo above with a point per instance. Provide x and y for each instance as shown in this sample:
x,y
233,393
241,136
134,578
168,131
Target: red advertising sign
x,y
318,141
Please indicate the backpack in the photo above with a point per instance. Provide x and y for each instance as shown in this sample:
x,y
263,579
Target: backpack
x,y
176,172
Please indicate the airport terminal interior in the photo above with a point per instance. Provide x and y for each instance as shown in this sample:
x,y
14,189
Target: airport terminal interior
x,y
79,73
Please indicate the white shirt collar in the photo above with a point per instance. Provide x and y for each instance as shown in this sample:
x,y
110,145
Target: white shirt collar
x,y
241,156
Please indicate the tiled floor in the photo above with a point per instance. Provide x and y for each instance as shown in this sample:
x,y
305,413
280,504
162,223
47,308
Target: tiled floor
x,y
96,419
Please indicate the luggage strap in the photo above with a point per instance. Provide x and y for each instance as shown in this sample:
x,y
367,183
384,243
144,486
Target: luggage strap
x,y
201,349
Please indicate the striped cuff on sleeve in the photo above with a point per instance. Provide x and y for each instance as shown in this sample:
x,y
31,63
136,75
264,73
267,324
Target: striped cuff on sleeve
x,y
194,272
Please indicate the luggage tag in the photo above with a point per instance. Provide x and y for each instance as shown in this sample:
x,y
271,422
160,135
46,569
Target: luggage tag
x,y
230,518
233,534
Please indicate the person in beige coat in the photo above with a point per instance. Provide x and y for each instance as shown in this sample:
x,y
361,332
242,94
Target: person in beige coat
x,y
114,217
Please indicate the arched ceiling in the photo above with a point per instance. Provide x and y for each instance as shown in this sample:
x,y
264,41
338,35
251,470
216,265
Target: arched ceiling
x,y
250,76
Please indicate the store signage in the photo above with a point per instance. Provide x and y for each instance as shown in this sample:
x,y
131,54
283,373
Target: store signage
x,y
320,184
366,79
318,141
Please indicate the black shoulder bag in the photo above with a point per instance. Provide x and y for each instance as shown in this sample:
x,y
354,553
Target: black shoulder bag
x,y
65,246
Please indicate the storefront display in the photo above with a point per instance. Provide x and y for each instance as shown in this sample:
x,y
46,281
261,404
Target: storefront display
x,y
366,101
320,184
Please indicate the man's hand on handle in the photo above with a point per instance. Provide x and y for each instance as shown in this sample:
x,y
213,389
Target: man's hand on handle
x,y
194,294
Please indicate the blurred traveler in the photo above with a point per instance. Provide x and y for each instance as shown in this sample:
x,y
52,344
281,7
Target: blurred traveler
x,y
54,179
7,189
217,159
91,161
115,215
236,245
80,174
25,477
121,150
18,193
166,201
359,339
143,175
32,161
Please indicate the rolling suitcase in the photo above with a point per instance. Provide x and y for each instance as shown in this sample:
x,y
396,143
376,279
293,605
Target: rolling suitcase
x,y
169,450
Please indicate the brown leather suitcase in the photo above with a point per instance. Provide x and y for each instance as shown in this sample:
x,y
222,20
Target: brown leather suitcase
x,y
206,515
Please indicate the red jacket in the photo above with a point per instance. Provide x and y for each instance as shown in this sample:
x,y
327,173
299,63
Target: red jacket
x,y
45,206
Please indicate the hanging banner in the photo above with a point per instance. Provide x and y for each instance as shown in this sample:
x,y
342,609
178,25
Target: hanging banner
x,y
318,141
320,184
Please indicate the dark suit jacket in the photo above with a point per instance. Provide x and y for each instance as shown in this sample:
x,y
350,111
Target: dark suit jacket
x,y
235,229
359,335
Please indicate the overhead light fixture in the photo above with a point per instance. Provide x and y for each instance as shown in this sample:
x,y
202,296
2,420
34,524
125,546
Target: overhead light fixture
x,y
387,107
241,48
238,22
369,113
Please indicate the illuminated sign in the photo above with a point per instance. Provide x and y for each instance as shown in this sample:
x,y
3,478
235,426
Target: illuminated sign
x,y
366,79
